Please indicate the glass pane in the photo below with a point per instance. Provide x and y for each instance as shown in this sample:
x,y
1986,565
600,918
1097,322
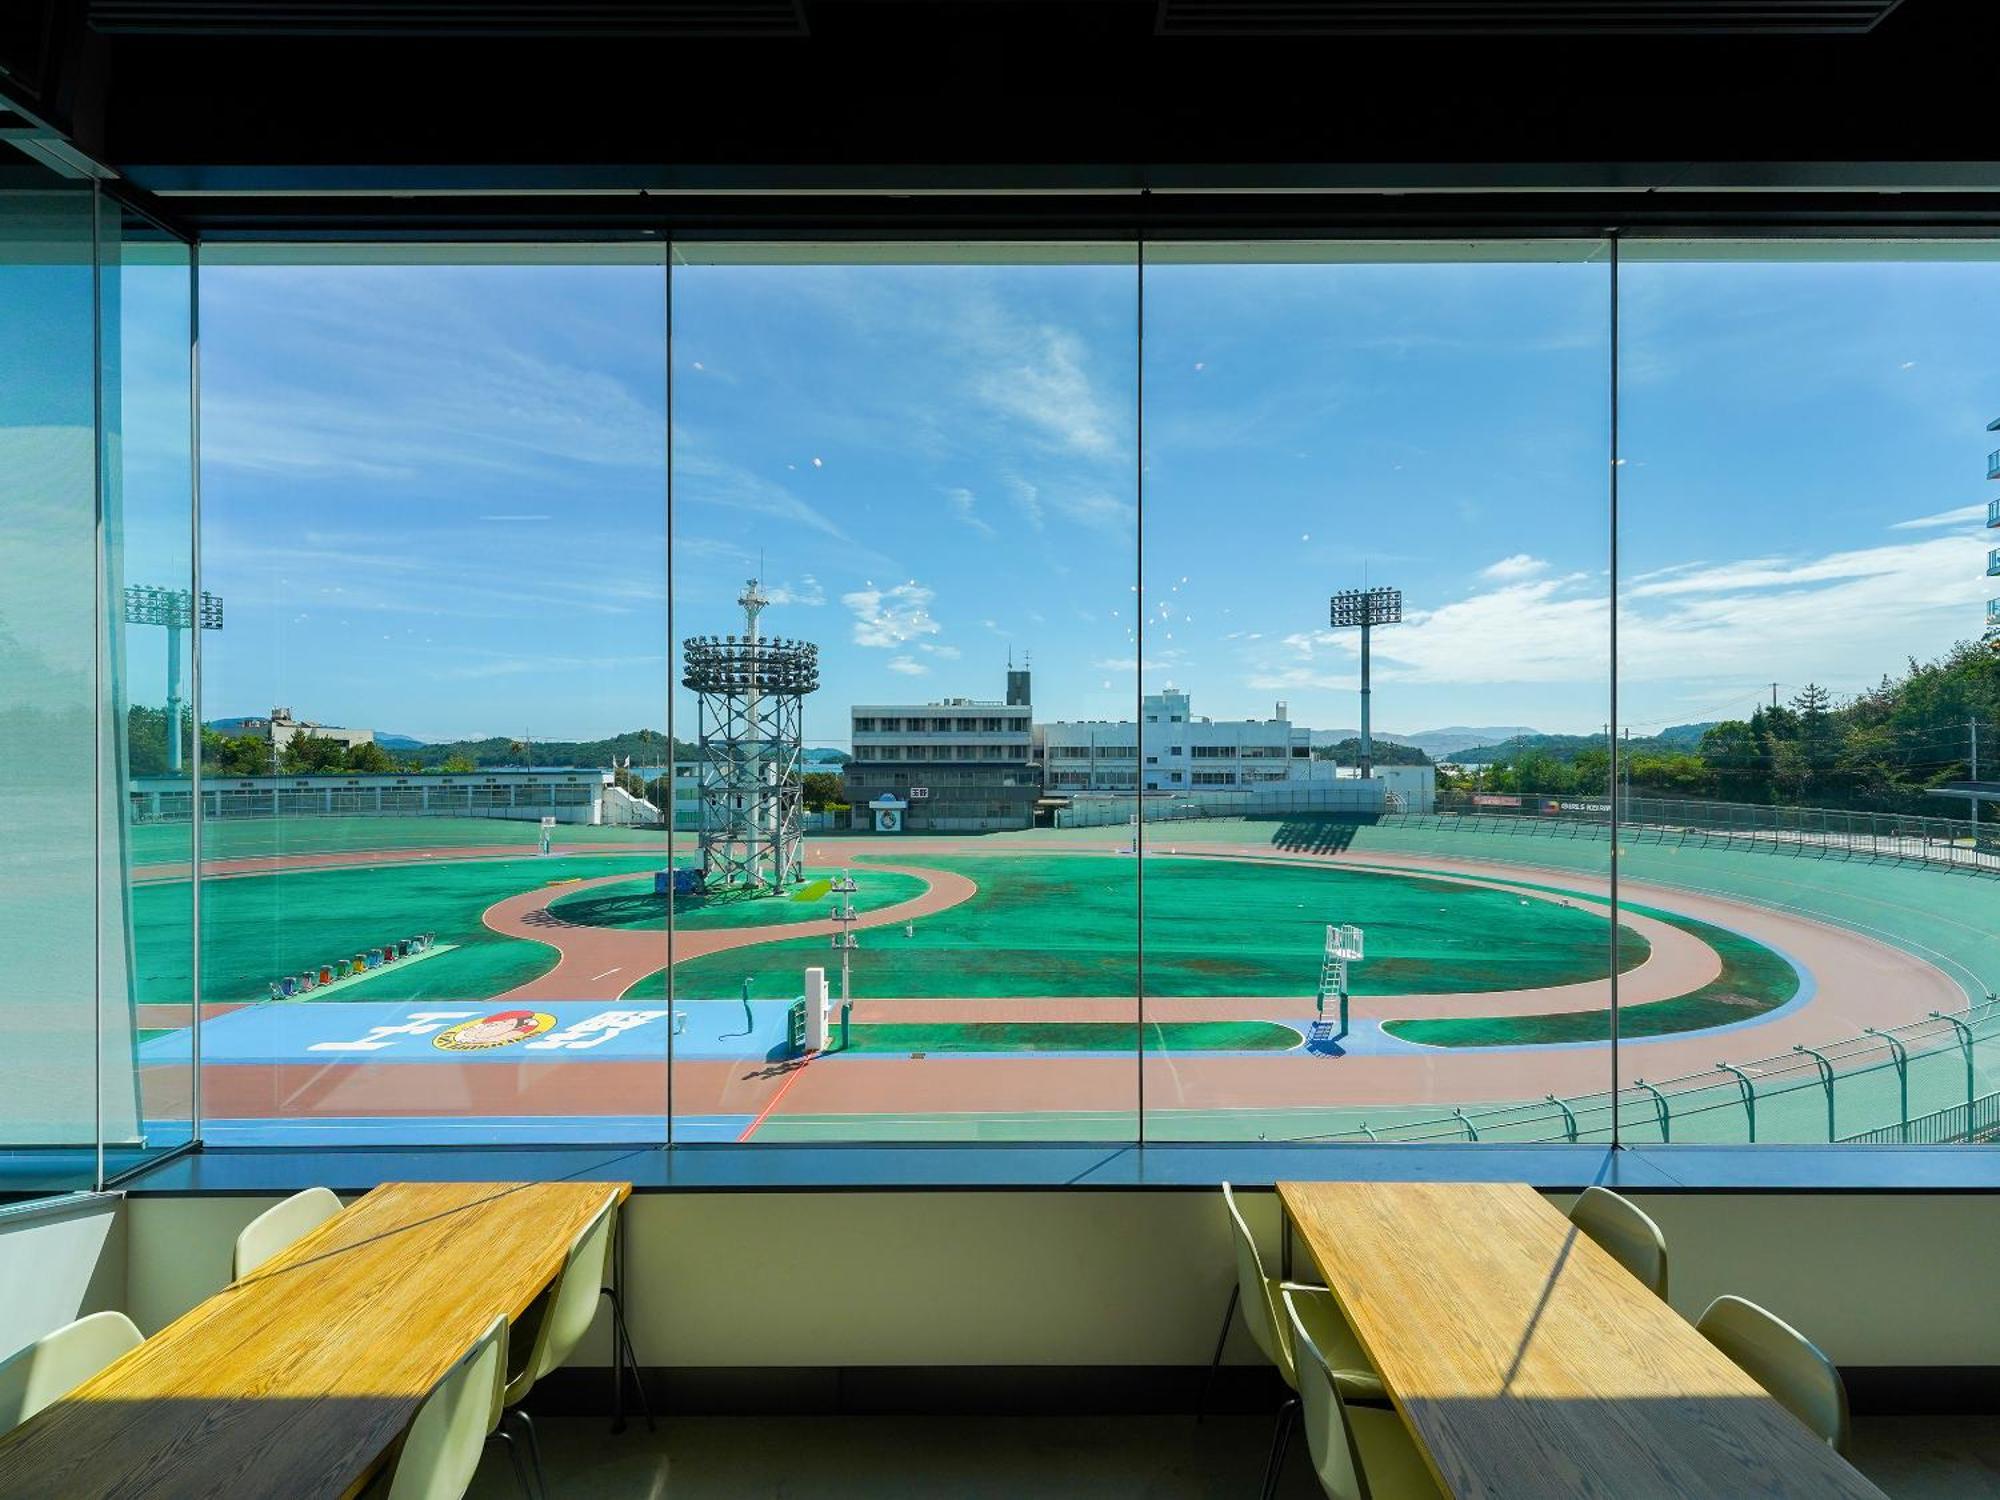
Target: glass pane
x,y
1377,668
1805,547
433,508
147,829
919,461
48,634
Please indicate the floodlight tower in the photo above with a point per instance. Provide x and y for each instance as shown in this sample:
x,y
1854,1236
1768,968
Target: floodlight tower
x,y
176,610
1366,608
750,714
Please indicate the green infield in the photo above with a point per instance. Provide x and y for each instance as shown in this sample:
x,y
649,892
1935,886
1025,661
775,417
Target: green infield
x,y
631,905
1071,1036
1067,925
257,928
1753,982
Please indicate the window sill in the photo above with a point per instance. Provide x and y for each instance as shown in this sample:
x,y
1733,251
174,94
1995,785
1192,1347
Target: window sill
x,y
1097,1168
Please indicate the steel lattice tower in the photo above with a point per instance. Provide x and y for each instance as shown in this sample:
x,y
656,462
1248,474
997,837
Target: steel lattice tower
x,y
750,716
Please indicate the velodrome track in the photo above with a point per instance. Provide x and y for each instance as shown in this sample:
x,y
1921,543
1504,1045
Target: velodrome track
x,y
1854,982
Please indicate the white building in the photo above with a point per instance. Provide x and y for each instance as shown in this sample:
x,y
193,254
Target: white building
x,y
1174,751
962,765
281,728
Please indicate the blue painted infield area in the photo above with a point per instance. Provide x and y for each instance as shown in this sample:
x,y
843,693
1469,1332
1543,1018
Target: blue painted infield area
x,y
480,1032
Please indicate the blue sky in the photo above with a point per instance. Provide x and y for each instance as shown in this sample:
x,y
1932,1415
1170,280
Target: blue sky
x,y
434,496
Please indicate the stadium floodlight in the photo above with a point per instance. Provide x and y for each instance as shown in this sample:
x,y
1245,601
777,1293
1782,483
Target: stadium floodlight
x,y
1365,608
176,610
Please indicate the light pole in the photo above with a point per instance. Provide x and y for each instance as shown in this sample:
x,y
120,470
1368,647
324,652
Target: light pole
x,y
175,610
1366,608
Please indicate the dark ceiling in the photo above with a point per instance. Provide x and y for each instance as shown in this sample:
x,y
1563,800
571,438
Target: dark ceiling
x,y
496,117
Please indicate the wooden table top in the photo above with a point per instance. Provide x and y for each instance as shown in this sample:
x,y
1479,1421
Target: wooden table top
x,y
296,1380
1526,1361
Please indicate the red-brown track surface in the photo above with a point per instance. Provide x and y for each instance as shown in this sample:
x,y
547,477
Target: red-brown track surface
x,y
601,963
1859,983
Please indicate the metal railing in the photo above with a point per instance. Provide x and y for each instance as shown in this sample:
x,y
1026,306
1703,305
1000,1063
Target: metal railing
x,y
1815,832
1803,1095
1978,1121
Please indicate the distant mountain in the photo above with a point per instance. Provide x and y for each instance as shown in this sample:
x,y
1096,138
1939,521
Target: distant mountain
x,y
1688,735
824,755
1680,738
1446,743
399,742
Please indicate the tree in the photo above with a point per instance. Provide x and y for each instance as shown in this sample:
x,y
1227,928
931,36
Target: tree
x,y
369,759
457,765
234,755
822,791
312,755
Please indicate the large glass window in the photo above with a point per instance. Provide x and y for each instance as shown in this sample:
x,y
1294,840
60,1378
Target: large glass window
x,y
48,675
1376,531
97,494
1804,434
956,724
433,510
918,463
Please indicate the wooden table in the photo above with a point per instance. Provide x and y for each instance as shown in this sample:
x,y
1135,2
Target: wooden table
x,y
1527,1362
298,1380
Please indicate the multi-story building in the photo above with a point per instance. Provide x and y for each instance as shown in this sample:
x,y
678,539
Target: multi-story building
x,y
1992,635
962,764
1173,750
281,728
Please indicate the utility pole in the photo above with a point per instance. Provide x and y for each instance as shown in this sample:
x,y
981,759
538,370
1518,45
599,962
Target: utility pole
x,y
1774,695
1972,728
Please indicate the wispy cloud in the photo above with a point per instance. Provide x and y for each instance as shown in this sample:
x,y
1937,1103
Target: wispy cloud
x,y
909,666
1955,517
1037,377
892,617
1509,569
806,592
964,505
1726,622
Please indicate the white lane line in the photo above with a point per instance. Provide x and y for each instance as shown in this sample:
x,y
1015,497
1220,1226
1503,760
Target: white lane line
x,y
595,977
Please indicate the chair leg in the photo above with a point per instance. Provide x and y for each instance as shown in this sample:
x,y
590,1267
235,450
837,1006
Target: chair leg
x,y
1288,1414
624,1353
534,1451
1221,1338
514,1458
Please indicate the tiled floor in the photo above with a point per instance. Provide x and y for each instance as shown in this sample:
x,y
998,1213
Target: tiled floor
x,y
1103,1458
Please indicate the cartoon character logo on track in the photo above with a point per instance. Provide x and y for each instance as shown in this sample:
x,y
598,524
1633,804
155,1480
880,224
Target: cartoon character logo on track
x,y
497,1030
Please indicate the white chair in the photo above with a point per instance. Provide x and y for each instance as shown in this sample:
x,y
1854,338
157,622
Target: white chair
x,y
563,1315
1256,1296
1358,1452
1627,1232
282,1226
1783,1361
57,1363
440,1452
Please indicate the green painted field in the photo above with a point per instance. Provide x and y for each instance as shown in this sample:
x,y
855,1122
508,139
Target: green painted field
x,y
1064,925
1072,1036
1753,981
256,928
632,906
